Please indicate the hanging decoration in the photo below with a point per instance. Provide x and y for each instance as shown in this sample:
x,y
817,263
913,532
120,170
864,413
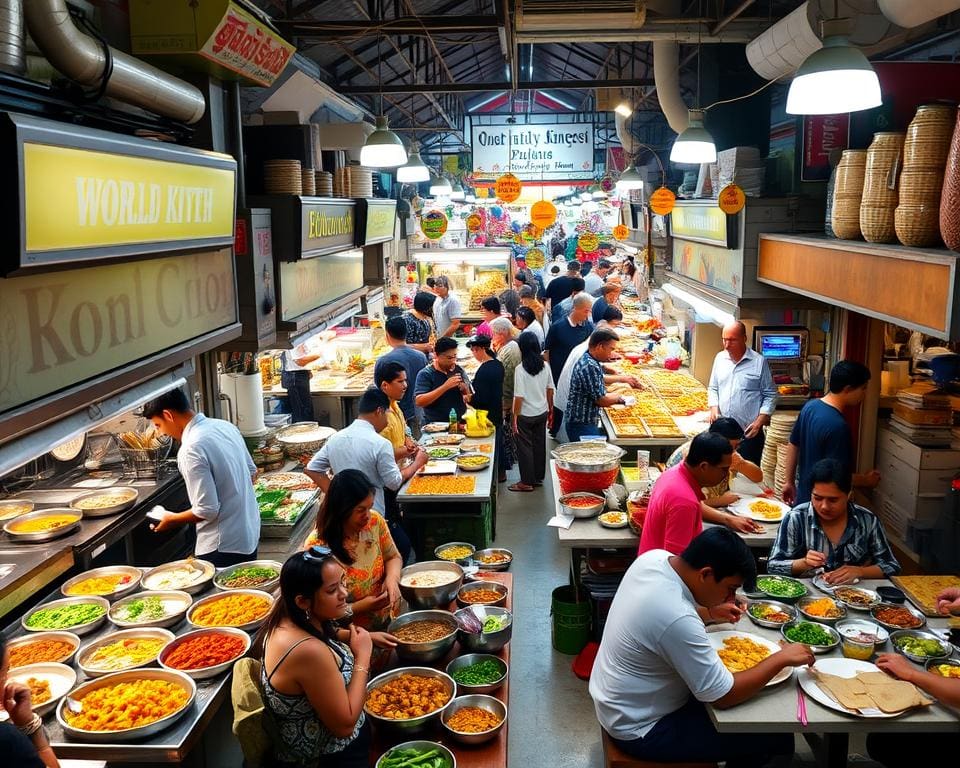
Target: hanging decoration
x,y
662,201
621,232
508,187
543,214
434,224
588,242
731,199
474,222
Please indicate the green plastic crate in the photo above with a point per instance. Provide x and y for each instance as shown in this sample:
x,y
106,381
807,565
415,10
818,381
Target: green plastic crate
x,y
429,532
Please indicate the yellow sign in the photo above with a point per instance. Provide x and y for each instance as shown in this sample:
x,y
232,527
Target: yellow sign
x,y
508,187
77,198
662,201
433,224
63,328
621,232
588,242
543,213
474,222
535,258
731,199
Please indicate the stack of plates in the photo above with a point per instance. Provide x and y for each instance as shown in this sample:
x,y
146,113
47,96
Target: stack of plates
x,y
774,450
307,182
341,183
361,181
324,183
282,177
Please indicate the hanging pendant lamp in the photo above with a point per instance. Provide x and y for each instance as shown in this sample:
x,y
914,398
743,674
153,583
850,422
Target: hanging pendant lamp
x,y
383,148
695,145
439,185
414,170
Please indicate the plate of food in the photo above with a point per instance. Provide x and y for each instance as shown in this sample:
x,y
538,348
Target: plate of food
x,y
436,426
190,575
919,646
150,609
770,613
104,503
472,462
43,525
858,598
78,615
824,609
740,651
859,688
440,452
615,519
111,582
244,609
447,440
761,509
782,588
287,481
48,683
41,647
122,650
897,616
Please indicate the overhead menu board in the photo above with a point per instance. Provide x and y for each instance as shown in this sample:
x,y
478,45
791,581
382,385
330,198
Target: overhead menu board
x,y
555,151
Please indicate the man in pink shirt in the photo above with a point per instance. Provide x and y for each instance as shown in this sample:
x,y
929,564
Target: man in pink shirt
x,y
674,516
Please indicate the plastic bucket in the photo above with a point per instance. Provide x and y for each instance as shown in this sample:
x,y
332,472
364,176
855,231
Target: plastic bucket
x,y
571,620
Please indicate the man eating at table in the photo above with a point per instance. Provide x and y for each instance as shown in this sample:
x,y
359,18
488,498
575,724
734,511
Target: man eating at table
x,y
656,668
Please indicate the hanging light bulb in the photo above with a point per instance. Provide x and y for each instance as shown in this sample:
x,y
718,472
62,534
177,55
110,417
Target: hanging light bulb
x,y
695,145
439,185
837,78
629,179
414,170
383,148
624,108
456,191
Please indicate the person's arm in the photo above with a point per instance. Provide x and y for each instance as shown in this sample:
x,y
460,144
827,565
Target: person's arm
x,y
713,394
787,555
726,519
770,394
428,397
317,469
746,468
201,490
789,488
750,682
885,563
943,689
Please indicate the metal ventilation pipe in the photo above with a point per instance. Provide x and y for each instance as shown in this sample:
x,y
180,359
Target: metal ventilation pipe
x,y
912,14
11,37
83,59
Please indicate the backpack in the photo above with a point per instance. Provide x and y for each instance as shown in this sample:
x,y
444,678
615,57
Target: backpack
x,y
250,717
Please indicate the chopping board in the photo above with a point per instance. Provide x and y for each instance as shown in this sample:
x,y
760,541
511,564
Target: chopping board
x,y
922,591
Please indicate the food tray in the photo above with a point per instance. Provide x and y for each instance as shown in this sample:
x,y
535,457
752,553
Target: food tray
x,y
923,590
790,610
78,629
33,637
123,498
266,586
205,672
151,633
61,678
13,508
845,594
896,627
122,590
35,536
152,579
176,601
248,626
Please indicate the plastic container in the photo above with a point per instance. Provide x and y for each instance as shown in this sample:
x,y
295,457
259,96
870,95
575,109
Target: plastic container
x,y
853,649
570,611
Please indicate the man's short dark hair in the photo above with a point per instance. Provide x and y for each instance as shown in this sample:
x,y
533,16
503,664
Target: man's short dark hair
x,y
612,315
724,552
708,447
611,287
577,284
847,373
491,304
431,282
388,372
396,328
444,344
729,428
527,314
573,266
372,399
423,302
527,292
604,264
175,400
832,471
602,336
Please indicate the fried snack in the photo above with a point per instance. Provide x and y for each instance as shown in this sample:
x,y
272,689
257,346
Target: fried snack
x,y
143,441
39,690
473,720
766,510
231,611
39,651
441,485
407,696
124,706
740,653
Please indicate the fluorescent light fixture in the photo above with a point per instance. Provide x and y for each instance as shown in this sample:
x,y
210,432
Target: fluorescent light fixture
x,y
704,310
456,191
414,170
695,145
439,185
836,79
629,179
383,149
624,108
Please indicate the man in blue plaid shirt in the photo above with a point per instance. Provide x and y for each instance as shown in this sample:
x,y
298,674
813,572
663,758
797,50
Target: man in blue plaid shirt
x,y
588,393
832,533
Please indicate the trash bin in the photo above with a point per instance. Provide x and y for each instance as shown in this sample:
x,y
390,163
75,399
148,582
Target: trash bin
x,y
570,610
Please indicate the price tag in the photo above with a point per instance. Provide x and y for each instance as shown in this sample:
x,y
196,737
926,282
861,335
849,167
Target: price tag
x,y
731,199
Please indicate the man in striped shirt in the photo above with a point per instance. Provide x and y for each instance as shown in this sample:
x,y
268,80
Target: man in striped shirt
x,y
588,392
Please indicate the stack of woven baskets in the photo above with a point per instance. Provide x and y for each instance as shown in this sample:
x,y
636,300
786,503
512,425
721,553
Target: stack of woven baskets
x,y
925,150
880,188
847,194
950,199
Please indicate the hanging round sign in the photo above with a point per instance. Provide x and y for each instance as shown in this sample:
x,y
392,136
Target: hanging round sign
x,y
474,222
731,199
607,184
621,232
662,201
543,213
508,187
434,224
588,242
535,258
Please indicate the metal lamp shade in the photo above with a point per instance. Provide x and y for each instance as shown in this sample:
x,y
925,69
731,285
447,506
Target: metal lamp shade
x,y
695,145
383,148
837,78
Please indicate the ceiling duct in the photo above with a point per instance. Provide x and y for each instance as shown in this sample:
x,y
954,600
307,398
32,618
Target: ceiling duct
x,y
910,13
11,37
565,16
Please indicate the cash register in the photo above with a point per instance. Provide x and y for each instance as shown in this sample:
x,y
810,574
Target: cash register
x,y
785,350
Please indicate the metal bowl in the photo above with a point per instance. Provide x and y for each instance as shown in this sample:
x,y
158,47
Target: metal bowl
x,y
855,625
841,595
891,595
64,637
112,637
425,598
152,579
411,725
469,659
489,703
790,610
590,511
783,579
122,498
607,458
929,664
803,602
472,467
203,673
60,677
431,650
122,590
423,746
500,566
54,533
10,509
834,635
267,586
176,601
457,560
248,626
895,627
945,647
486,642
473,586
78,629
129,734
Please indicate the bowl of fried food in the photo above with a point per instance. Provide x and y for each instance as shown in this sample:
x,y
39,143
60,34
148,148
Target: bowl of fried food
x,y
423,636
408,699
474,719
822,609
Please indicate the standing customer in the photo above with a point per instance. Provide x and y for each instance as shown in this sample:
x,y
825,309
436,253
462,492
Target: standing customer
x,y
821,432
528,298
532,412
561,287
508,353
23,740
741,387
487,383
442,385
418,322
527,321
446,309
610,297
562,338
588,391
489,310
510,298
412,360
218,472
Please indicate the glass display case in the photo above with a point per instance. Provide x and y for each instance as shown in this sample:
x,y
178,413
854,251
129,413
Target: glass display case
x,y
474,273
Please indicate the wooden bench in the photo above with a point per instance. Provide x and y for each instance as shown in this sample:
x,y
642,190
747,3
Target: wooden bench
x,y
614,757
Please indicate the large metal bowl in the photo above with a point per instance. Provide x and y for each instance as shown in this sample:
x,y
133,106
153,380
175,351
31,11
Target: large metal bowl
x,y
411,725
77,629
425,598
842,594
894,627
202,673
10,509
803,602
591,511
607,457
246,627
129,734
54,533
425,652
486,642
176,601
473,586
768,577
931,663
151,633
503,565
945,647
834,636
422,746
267,586
117,500
60,677
458,560
790,610
152,579
468,660
64,637
482,701
122,590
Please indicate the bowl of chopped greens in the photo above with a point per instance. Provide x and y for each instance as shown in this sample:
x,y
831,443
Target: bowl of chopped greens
x,y
418,754
919,646
79,615
484,628
150,609
819,637
441,452
478,672
781,588
255,574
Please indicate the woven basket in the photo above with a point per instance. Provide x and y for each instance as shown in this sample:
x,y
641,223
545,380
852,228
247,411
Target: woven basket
x,y
928,137
877,223
917,226
308,182
950,197
920,187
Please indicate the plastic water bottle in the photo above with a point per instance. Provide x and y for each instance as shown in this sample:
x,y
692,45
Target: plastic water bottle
x,y
453,420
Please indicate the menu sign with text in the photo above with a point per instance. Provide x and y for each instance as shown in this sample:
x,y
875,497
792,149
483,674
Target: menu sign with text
x,y
535,151
326,227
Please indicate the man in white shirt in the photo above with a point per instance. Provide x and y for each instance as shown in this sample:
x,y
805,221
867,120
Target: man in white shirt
x,y
446,309
596,277
218,472
360,446
656,668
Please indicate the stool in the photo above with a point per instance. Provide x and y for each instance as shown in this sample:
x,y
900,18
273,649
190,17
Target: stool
x,y
614,757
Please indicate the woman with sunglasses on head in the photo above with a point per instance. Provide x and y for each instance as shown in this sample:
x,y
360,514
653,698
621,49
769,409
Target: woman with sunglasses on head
x,y
314,674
